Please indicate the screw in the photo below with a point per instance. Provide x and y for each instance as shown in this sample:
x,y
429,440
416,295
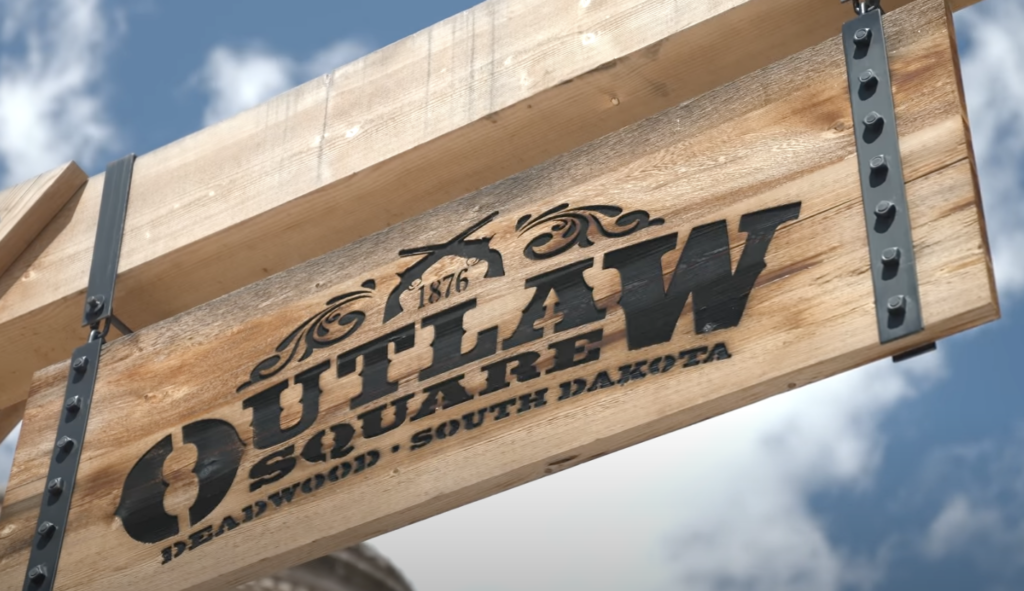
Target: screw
x,y
891,256
80,364
56,486
74,404
862,37
873,119
897,304
879,164
37,574
885,209
94,304
46,529
65,443
868,77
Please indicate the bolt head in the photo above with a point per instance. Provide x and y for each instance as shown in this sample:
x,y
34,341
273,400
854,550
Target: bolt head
x,y
94,304
65,443
868,77
862,36
872,119
879,163
885,209
46,529
73,404
891,256
56,486
897,304
37,574
80,364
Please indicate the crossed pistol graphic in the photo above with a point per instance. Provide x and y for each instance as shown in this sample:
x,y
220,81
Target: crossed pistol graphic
x,y
459,247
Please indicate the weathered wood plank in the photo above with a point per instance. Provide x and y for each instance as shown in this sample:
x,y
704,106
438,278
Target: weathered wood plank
x,y
9,418
765,143
27,208
467,102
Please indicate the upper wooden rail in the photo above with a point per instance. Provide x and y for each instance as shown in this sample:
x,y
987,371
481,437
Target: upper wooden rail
x,y
473,99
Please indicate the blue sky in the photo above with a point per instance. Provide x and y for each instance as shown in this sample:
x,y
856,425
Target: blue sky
x,y
891,477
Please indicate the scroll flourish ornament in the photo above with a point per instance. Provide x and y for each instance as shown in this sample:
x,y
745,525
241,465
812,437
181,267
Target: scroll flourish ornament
x,y
330,326
578,226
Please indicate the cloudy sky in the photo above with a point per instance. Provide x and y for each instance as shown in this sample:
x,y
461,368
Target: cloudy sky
x,y
892,477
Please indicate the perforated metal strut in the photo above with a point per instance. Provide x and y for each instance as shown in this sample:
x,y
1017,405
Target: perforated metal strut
x,y
886,214
67,450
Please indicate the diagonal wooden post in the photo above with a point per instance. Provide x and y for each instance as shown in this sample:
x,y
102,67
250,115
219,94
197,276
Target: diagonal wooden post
x,y
25,210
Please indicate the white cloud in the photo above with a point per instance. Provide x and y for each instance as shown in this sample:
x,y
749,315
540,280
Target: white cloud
x,y
982,518
719,506
238,79
51,104
958,524
984,481
993,72
750,526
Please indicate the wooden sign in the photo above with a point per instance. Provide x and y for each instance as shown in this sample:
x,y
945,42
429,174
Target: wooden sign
x,y
473,99
685,266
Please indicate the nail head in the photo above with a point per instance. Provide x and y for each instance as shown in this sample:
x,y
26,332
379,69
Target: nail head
x,y
94,304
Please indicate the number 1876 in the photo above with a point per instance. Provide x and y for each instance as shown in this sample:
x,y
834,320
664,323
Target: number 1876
x,y
443,287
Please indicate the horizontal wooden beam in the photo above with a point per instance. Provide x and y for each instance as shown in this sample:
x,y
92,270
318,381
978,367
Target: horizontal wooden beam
x,y
465,103
606,226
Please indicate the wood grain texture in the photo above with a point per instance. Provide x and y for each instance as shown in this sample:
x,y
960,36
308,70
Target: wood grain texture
x,y
27,208
9,418
778,136
478,97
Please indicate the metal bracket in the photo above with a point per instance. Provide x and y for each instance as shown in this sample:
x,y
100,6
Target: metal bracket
x,y
99,298
891,246
67,449
928,348
862,7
